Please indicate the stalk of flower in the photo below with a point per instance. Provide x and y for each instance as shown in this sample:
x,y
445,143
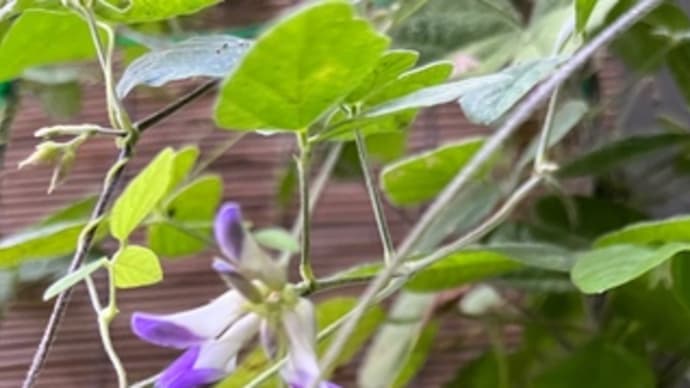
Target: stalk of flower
x,y
260,301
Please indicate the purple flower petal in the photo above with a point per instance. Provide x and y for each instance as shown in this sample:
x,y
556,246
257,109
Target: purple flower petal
x,y
181,373
190,327
229,231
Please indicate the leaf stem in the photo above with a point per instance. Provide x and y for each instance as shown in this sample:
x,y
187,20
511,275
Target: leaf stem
x,y
541,164
519,115
305,268
375,199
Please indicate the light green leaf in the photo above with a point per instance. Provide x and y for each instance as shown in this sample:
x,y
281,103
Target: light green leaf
x,y
73,278
299,69
136,266
598,365
601,269
532,254
187,229
421,177
411,81
495,98
583,9
621,152
39,38
277,238
76,211
184,161
391,349
461,268
41,242
201,56
143,11
141,195
391,64
675,229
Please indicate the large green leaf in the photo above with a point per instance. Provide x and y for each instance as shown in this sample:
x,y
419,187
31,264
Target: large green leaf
x,y
41,38
461,268
598,365
299,69
141,11
40,242
619,153
201,56
393,346
186,230
601,269
136,266
649,232
73,278
411,81
141,195
421,177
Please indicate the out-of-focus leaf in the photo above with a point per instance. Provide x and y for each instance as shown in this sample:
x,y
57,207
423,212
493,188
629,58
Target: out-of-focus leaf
x,y
76,211
680,272
421,177
142,11
39,38
60,100
73,278
201,56
277,238
188,227
677,60
607,366
675,229
605,268
482,372
141,195
284,85
583,9
393,346
621,152
41,242
418,356
136,266
495,98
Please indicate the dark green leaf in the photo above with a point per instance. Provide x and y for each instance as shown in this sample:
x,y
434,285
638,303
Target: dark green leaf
x,y
678,60
680,271
201,56
649,232
604,268
299,69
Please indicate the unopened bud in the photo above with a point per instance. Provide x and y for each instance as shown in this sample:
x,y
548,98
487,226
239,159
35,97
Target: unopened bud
x,y
46,153
67,130
62,169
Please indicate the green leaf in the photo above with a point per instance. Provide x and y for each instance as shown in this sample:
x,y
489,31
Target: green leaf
x,y
461,268
39,38
499,94
141,195
201,56
621,152
186,229
418,357
143,11
73,278
411,81
278,239
601,269
583,9
393,345
675,229
76,211
136,266
532,254
680,272
481,372
391,64
184,161
41,242
421,177
598,365
299,69
677,60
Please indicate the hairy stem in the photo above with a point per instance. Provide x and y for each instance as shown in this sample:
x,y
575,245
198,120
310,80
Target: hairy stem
x,y
375,199
519,115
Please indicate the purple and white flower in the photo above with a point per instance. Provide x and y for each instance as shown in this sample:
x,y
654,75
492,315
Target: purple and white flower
x,y
260,301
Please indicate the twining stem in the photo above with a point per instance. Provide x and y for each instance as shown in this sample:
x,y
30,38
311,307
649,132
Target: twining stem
x,y
540,162
375,199
519,115
305,268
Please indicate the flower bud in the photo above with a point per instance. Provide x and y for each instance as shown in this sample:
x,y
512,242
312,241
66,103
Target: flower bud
x,y
46,153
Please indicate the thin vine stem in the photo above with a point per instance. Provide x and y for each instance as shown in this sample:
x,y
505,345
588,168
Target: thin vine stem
x,y
375,199
519,115
303,160
541,163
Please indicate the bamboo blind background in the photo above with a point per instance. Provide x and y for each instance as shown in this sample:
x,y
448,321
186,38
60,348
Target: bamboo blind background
x,y
344,232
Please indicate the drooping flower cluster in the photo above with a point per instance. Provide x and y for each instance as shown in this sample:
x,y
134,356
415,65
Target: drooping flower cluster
x,y
260,301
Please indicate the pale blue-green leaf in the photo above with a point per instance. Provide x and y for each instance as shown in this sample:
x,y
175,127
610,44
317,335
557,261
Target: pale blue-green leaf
x,y
136,266
500,93
299,69
73,278
675,229
141,195
277,238
212,56
602,269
